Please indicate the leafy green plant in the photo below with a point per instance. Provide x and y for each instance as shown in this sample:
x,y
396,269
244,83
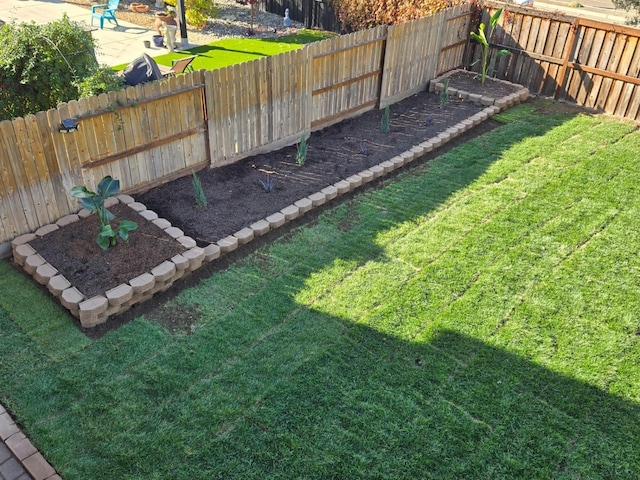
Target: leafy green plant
x,y
119,120
483,38
444,95
301,155
95,203
267,183
42,65
103,80
201,198
198,11
384,122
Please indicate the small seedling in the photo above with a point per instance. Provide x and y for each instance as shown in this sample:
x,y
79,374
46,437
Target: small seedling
x,y
94,202
201,198
301,155
362,148
444,95
384,122
428,121
267,183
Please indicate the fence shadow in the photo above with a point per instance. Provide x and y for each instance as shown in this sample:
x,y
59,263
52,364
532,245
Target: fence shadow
x,y
314,392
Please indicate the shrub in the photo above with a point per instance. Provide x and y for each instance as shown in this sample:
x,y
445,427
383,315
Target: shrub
x,y
103,80
301,153
42,65
198,191
196,12
384,120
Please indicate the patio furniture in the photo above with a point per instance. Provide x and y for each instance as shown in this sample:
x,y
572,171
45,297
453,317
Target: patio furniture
x,y
105,11
178,66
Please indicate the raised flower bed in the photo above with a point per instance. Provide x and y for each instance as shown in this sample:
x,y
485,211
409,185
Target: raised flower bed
x,y
342,159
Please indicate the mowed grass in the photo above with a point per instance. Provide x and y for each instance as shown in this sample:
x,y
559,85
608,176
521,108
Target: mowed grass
x,y
230,51
474,318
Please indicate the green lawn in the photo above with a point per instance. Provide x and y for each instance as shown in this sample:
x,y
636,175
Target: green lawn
x,y
237,50
477,318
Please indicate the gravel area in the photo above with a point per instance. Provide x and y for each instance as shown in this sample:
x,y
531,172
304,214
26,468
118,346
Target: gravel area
x,y
233,19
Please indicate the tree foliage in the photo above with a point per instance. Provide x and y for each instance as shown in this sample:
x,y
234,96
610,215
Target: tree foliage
x,y
42,65
361,14
196,12
104,79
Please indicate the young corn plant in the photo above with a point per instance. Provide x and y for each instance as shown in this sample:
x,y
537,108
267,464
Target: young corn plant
x,y
384,121
483,38
95,203
201,198
444,95
301,155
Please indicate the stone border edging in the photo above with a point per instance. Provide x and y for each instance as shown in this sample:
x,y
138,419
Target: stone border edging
x,y
98,309
23,450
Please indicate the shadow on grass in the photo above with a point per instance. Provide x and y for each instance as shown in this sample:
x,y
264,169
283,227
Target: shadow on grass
x,y
315,396
264,387
376,407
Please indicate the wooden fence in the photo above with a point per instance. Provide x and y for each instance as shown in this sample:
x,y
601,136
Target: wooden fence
x,y
593,64
153,133
418,51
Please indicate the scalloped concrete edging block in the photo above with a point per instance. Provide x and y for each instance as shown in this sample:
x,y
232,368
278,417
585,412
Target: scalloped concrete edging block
x,y
96,310
317,199
67,220
244,236
261,227
342,186
228,244
276,220
290,213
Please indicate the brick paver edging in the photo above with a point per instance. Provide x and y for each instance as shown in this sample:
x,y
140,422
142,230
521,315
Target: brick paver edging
x,y
25,461
96,310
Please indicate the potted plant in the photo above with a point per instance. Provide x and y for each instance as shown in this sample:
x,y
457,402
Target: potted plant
x,y
164,18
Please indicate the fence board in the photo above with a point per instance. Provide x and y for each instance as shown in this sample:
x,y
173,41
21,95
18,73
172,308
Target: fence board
x,y
409,65
16,218
455,28
48,208
61,199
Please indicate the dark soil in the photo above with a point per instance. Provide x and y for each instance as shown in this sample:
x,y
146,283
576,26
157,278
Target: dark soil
x,y
74,252
237,199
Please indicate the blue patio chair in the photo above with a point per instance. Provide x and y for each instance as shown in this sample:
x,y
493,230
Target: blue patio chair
x,y
105,11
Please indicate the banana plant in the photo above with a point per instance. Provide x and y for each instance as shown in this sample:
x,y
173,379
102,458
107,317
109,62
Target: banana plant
x,y
483,39
95,203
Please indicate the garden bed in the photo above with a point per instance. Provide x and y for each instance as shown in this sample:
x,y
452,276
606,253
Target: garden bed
x,y
340,159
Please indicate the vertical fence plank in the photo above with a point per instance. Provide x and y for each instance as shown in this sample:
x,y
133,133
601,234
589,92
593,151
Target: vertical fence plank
x,y
15,217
